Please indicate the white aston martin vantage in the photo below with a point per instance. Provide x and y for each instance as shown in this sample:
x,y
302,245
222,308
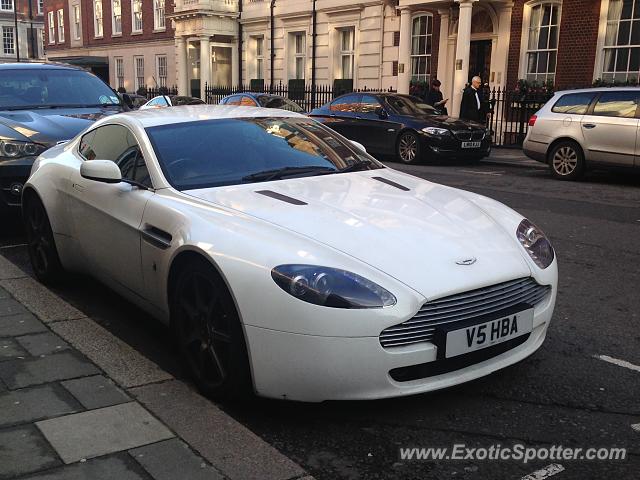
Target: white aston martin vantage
x,y
288,261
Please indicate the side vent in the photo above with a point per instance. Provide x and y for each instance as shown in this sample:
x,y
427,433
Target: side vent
x,y
392,183
282,198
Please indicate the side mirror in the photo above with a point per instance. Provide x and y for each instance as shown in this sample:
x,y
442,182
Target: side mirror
x,y
381,112
358,145
101,171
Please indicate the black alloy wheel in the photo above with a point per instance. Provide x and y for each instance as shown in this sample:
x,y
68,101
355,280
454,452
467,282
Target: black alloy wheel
x,y
40,242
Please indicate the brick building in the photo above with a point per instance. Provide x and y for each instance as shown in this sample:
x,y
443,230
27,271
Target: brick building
x,y
128,43
25,43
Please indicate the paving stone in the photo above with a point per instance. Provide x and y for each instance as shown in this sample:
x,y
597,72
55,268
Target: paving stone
x,y
21,324
9,306
9,270
120,361
96,392
115,467
36,403
23,450
22,373
103,431
9,348
40,300
43,343
4,293
173,459
231,447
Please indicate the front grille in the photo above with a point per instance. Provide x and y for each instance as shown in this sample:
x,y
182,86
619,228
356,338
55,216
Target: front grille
x,y
468,135
461,307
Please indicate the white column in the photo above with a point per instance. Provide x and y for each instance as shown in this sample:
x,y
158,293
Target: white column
x,y
502,48
404,51
463,45
235,65
205,64
442,49
183,75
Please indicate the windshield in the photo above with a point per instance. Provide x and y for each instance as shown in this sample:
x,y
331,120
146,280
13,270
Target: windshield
x,y
42,88
279,102
409,105
214,153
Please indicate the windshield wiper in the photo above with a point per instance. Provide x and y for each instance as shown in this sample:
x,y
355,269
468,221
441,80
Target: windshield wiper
x,y
355,167
278,173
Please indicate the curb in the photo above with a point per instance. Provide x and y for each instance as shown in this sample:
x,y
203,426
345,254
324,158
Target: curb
x,y
229,446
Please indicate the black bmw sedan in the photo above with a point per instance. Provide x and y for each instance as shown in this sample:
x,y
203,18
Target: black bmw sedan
x,y
404,126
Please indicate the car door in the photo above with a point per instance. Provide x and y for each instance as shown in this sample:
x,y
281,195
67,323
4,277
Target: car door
x,y
377,133
342,115
108,215
610,128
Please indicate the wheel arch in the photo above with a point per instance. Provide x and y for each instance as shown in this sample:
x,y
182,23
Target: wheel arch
x,y
558,140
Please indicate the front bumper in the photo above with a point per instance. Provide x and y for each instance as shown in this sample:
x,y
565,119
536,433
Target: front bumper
x,y
314,369
449,147
13,175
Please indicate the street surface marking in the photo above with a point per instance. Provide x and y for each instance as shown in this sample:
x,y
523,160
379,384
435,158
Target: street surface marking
x,y
13,246
545,472
483,173
620,363
636,427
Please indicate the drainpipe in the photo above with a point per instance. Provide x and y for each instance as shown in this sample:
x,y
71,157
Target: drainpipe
x,y
240,33
313,56
272,47
16,38
34,53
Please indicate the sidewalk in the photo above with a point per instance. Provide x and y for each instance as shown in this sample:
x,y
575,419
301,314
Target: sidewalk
x,y
513,157
78,403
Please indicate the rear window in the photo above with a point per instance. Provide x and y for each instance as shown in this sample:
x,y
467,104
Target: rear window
x,y
574,103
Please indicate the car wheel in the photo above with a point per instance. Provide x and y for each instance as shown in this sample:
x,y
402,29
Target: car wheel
x,y
408,149
41,246
209,333
566,161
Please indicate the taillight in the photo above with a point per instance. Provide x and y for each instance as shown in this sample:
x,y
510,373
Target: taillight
x,y
532,120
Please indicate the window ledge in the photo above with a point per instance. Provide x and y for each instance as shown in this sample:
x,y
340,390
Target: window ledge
x,y
116,35
98,36
137,32
159,30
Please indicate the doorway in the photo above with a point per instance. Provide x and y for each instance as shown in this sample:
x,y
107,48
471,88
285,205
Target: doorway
x,y
480,60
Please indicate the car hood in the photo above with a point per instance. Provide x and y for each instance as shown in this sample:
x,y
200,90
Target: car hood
x,y
416,236
47,127
442,121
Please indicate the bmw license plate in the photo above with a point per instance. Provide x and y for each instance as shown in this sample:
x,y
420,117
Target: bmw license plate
x,y
483,335
470,144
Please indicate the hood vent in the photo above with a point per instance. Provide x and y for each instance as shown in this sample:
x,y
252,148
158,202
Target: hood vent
x,y
281,197
392,183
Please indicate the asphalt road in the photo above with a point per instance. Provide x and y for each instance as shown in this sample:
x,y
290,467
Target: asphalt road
x,y
562,395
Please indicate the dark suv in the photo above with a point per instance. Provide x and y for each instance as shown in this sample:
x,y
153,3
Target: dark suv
x,y
42,104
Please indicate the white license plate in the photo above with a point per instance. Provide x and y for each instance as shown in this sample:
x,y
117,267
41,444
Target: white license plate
x,y
483,335
470,144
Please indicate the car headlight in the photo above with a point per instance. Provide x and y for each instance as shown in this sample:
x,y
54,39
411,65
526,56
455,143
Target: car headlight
x,y
14,149
331,287
535,243
436,131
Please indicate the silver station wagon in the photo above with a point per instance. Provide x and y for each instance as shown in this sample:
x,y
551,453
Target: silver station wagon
x,y
578,129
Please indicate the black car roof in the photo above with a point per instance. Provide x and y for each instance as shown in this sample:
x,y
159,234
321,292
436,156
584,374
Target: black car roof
x,y
38,66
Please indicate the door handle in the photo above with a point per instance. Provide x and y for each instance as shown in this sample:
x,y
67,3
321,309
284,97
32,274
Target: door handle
x,y
589,126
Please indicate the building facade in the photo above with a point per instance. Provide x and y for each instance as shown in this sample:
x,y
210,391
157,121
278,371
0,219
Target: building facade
x,y
128,43
24,43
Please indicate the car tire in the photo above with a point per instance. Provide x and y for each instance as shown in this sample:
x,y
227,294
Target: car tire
x,y
209,333
566,161
408,148
41,245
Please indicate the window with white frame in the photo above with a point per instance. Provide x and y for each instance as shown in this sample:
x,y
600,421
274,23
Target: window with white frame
x,y
138,68
347,51
40,7
76,22
119,64
97,18
297,43
621,52
8,41
259,44
52,27
161,70
421,47
158,15
543,30
116,17
61,25
136,15
6,5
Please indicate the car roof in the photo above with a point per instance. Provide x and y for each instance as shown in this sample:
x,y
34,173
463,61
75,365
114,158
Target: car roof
x,y
190,113
597,89
38,66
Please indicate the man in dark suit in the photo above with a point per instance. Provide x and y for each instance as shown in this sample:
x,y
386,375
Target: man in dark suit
x,y
471,107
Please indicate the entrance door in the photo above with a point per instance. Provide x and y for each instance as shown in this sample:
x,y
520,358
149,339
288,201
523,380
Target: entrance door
x,y
221,66
480,60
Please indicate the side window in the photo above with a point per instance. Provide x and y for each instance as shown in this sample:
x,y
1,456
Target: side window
x,y
86,146
235,100
369,104
117,143
247,102
617,104
574,103
348,103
